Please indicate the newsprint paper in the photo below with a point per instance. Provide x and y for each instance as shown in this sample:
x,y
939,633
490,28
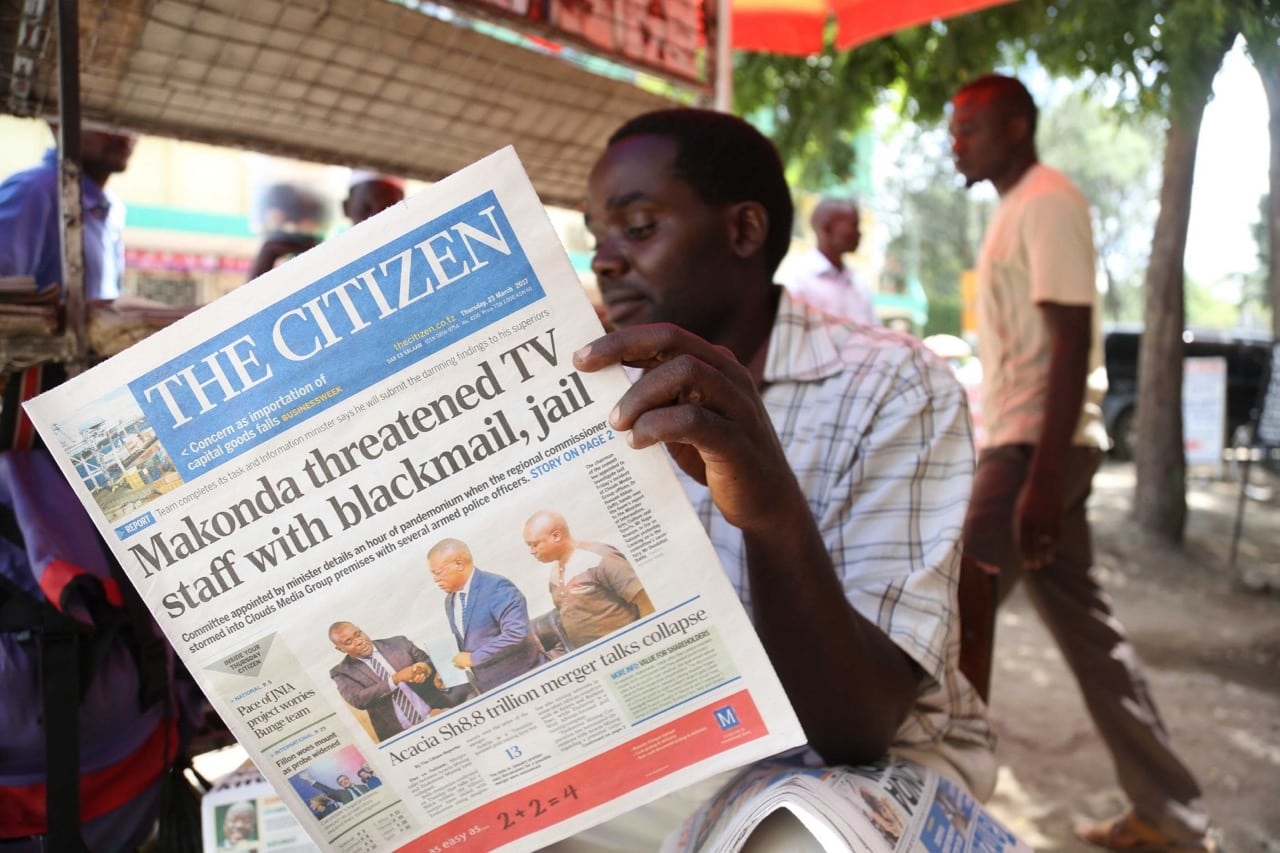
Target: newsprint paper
x,y
890,807
285,458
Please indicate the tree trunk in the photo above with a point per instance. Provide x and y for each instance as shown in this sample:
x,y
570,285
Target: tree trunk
x,y
1160,499
1271,83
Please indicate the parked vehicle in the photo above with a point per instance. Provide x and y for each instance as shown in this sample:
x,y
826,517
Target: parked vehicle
x,y
1247,355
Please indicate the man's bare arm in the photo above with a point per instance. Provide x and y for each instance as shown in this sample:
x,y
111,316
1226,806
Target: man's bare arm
x,y
1039,513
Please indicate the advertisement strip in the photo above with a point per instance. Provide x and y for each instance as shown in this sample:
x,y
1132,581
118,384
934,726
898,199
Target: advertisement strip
x,y
387,527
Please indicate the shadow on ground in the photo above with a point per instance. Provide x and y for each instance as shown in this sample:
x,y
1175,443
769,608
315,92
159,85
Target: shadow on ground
x,y
1209,634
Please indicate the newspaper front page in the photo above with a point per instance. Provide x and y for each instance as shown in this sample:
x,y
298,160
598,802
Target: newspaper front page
x,y
273,471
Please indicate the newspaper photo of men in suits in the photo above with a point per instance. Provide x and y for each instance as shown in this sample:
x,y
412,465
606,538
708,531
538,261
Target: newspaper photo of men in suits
x,y
488,615
391,679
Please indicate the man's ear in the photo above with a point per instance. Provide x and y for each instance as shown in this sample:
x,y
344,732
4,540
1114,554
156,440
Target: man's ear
x,y
1020,129
748,227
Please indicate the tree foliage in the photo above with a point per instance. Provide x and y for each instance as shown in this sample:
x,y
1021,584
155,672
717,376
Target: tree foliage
x,y
813,106
935,226
1115,161
1149,57
1140,55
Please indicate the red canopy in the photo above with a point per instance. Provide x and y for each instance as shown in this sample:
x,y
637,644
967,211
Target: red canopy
x,y
796,26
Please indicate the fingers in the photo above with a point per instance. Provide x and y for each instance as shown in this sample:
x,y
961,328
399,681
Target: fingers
x,y
652,345
690,391
704,405
1039,522
1038,544
1038,551
685,401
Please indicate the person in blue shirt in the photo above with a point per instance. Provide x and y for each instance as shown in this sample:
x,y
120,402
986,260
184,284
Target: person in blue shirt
x,y
29,243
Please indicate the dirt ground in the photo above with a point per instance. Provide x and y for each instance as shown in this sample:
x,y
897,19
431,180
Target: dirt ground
x,y
1209,635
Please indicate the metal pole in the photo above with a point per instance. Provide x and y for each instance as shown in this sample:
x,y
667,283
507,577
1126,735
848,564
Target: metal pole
x,y
724,56
69,172
1240,505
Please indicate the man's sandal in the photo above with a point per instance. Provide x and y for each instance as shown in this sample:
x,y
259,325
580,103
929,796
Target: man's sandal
x,y
1131,834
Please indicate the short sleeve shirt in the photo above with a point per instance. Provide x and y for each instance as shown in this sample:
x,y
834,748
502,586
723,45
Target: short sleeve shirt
x,y
29,240
835,290
1038,248
596,596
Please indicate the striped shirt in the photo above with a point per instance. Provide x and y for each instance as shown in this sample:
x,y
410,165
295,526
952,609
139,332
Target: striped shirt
x,y
877,431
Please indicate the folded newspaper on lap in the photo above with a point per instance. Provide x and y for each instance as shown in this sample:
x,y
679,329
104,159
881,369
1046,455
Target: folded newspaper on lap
x,y
892,807
273,471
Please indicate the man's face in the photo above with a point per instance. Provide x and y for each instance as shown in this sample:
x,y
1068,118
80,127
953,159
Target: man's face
x,y
981,138
450,570
662,253
544,543
350,640
238,824
843,230
369,198
106,152
364,774
344,781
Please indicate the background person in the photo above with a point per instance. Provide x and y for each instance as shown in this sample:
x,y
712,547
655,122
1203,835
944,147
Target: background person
x,y
31,245
239,824
345,791
322,806
829,461
488,616
821,277
369,193
296,217
1038,343
368,777
594,589
29,219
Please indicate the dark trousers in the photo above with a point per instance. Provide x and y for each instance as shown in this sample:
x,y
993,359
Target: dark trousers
x,y
1077,613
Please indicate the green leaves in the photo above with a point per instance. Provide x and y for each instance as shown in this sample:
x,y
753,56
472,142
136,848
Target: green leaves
x,y
1148,56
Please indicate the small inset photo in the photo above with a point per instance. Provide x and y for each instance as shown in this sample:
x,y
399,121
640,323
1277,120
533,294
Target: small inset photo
x,y
236,826
334,780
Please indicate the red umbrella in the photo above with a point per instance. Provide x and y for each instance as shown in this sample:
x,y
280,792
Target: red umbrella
x,y
796,26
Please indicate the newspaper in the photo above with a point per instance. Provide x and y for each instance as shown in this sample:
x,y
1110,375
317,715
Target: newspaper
x,y
241,812
277,466
890,807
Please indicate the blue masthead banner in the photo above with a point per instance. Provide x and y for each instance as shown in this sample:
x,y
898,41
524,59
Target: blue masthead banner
x,y
373,317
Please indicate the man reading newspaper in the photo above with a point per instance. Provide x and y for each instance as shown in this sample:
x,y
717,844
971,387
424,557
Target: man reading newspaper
x,y
830,462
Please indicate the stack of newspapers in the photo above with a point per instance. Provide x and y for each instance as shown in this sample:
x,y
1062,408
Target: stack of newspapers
x,y
892,807
26,311
119,324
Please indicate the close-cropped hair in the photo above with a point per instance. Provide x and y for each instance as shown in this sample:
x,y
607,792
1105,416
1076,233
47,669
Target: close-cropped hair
x,y
1008,92
725,160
